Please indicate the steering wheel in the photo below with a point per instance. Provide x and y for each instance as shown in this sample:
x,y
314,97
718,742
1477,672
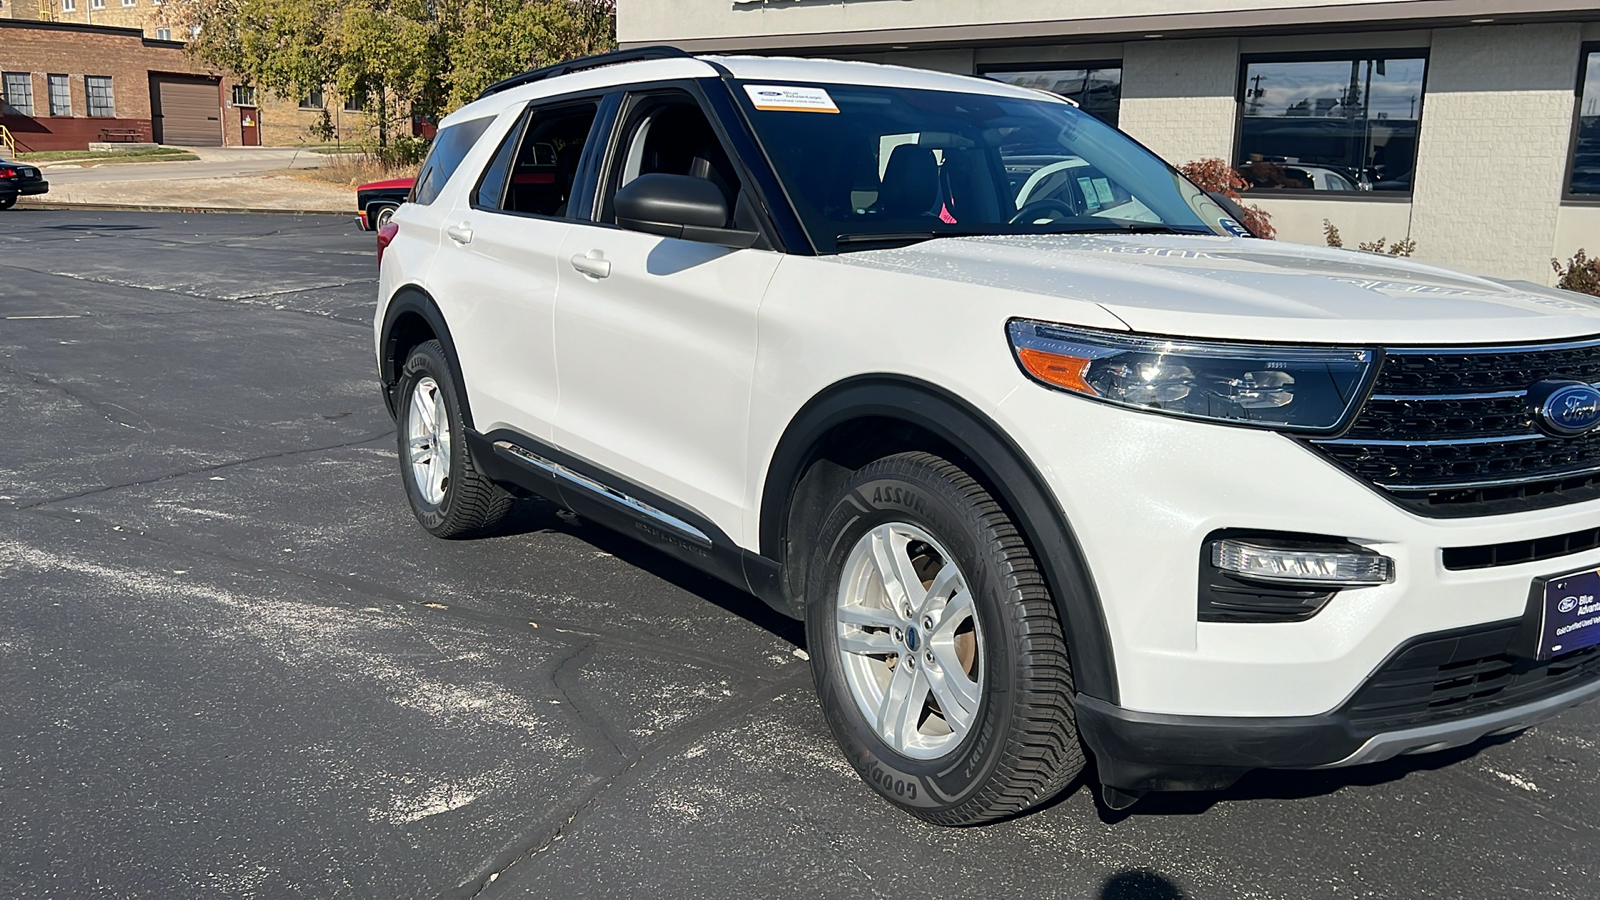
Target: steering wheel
x,y
1032,209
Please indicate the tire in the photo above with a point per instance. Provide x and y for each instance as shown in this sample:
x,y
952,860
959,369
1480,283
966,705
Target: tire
x,y
380,215
997,660
448,495
8,202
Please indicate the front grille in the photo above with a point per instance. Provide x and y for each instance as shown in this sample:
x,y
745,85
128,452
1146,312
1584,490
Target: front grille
x,y
1510,553
1448,432
1461,674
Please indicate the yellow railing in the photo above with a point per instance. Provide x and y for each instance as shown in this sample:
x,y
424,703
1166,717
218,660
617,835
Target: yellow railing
x,y
7,141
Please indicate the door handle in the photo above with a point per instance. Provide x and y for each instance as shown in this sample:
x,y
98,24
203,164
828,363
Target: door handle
x,y
594,264
461,234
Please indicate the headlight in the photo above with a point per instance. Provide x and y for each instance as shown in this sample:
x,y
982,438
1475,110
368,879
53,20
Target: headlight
x,y
1302,389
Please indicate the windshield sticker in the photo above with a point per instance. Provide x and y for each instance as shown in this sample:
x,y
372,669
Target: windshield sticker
x,y
778,98
1102,187
1234,228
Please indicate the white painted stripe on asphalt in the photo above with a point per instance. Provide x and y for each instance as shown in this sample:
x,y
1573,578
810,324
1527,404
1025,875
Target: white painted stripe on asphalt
x,y
44,317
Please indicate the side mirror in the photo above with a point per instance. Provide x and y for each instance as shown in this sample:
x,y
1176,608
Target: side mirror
x,y
679,206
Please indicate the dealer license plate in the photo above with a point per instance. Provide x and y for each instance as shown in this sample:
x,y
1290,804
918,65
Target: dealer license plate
x,y
1570,614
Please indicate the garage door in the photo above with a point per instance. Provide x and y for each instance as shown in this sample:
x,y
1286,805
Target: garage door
x,y
187,111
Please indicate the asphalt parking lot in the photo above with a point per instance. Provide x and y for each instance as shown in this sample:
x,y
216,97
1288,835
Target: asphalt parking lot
x,y
232,666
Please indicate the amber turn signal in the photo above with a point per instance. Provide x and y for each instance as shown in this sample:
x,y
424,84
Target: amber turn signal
x,y
1056,369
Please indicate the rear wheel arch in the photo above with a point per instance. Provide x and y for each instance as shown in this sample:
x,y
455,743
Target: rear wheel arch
x,y
865,418
413,318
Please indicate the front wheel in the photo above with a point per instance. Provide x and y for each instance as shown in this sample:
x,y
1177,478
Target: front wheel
x,y
936,649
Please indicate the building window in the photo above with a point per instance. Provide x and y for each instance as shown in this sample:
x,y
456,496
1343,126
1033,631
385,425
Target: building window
x,y
312,100
128,2
1097,89
163,34
18,93
97,4
60,95
1332,123
69,5
355,104
98,89
244,95
1586,149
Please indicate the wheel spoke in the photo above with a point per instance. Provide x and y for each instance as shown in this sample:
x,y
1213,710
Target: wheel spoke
x,y
900,580
958,610
902,706
958,694
870,643
946,582
875,616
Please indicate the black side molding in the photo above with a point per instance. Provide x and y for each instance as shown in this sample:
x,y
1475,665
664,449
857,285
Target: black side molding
x,y
609,499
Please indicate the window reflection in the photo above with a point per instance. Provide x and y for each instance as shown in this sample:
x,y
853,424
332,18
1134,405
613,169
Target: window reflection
x,y
1586,153
1097,90
1331,125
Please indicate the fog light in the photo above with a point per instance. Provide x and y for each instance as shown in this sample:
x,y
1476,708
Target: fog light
x,y
1298,565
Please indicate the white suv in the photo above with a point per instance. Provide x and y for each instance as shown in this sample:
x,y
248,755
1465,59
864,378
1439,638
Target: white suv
x,y
1052,457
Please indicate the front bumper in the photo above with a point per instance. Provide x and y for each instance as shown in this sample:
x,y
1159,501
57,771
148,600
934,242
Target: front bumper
x,y
1438,692
1142,493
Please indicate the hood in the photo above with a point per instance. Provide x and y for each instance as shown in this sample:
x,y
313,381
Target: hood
x,y
1248,289
385,185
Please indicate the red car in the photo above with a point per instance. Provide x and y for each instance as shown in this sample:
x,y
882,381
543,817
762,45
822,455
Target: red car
x,y
377,201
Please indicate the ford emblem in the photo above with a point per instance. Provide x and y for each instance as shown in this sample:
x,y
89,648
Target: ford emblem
x,y
1564,408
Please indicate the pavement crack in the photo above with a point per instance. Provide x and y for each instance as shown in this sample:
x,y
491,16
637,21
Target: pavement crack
x,y
200,470
83,401
245,299
636,767
568,681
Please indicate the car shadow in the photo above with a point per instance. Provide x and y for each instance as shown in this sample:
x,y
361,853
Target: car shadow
x,y
1140,884
536,514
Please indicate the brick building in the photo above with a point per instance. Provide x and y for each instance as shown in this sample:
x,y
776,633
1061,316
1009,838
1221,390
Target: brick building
x,y
39,55
1471,126
67,85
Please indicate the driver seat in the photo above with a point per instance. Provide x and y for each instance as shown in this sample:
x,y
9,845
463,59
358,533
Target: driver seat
x,y
910,183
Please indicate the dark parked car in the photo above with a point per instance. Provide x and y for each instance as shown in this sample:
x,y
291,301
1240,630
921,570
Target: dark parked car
x,y
376,201
18,180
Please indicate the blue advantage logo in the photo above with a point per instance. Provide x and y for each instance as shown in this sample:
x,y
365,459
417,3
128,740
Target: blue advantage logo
x,y
1565,408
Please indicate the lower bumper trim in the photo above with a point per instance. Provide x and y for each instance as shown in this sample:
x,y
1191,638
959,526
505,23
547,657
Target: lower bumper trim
x,y
1138,751
1443,736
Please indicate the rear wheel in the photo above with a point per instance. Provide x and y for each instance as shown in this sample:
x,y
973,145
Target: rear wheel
x,y
8,202
935,645
448,495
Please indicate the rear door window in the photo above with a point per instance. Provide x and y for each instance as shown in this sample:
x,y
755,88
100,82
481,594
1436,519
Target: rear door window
x,y
535,170
450,147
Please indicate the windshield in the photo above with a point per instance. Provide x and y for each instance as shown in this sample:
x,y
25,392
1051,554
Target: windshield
x,y
873,166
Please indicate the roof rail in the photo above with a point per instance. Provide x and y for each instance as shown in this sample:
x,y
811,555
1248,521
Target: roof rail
x,y
586,62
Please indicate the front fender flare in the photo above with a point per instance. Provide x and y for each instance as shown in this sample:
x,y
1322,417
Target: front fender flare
x,y
999,463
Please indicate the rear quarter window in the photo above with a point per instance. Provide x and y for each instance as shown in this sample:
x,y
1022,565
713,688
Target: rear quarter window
x,y
450,147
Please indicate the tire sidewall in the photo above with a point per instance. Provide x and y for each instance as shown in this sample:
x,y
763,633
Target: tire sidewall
x,y
931,503
427,361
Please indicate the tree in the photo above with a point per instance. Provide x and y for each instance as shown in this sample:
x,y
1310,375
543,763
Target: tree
x,y
1215,174
399,56
483,41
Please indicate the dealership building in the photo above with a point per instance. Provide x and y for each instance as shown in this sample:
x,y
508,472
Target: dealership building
x,y
1469,126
